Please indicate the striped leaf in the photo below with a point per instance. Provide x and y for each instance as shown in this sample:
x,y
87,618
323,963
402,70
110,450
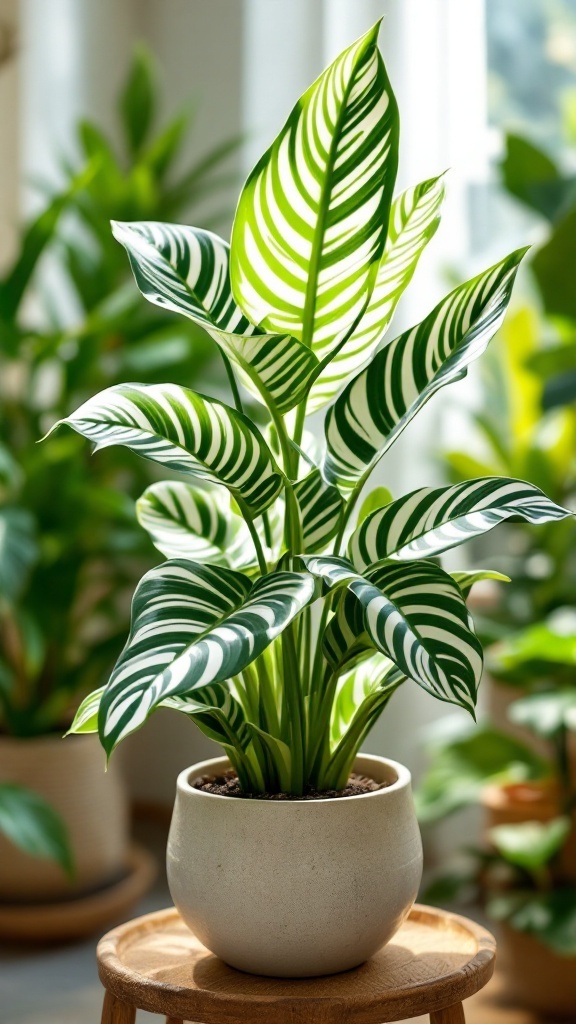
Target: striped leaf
x,y
414,219
381,400
320,507
214,710
193,626
415,614
187,270
311,222
186,432
186,522
433,519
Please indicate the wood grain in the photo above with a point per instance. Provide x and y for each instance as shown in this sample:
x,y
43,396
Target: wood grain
x,y
450,1015
116,1012
436,960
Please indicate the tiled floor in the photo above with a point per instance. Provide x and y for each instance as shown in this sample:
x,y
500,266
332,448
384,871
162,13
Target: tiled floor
x,y
60,985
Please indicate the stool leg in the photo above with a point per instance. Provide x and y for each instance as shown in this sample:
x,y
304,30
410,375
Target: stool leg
x,y
451,1015
174,1020
116,1012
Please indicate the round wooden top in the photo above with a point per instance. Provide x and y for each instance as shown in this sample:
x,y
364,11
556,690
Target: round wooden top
x,y
436,959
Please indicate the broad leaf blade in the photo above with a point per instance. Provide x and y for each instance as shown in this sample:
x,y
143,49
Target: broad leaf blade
x,y
415,614
311,222
321,508
431,520
214,709
186,432
413,222
29,822
186,270
194,626
186,522
381,400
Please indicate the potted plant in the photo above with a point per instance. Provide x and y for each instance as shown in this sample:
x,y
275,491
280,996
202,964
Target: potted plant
x,y
288,613
522,770
525,873
70,551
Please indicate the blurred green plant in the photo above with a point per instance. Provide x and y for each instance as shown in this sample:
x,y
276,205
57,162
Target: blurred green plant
x,y
69,550
33,826
524,426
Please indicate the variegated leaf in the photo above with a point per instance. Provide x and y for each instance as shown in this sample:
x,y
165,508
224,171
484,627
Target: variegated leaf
x,y
186,522
413,222
321,508
214,709
186,432
380,401
433,519
186,270
311,222
415,614
193,626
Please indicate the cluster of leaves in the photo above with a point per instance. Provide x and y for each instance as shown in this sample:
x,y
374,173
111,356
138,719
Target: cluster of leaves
x,y
70,551
299,305
521,875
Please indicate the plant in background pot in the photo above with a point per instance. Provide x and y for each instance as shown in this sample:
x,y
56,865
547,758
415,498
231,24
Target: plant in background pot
x,y
522,768
287,614
70,551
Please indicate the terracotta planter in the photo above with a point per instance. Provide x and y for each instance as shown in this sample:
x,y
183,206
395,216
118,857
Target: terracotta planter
x,y
295,888
70,775
530,801
535,976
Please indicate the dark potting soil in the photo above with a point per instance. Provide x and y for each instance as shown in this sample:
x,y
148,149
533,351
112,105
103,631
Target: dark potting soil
x,y
227,784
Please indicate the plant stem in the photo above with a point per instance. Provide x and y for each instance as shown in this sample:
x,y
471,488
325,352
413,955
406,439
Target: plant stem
x,y
293,709
248,519
231,380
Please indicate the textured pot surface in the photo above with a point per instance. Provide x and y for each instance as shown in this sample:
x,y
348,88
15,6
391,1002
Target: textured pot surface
x,y
70,775
295,888
535,977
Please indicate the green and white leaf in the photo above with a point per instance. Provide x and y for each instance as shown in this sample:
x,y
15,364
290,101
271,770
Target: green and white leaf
x,y
321,507
415,614
186,432
214,709
311,223
380,401
186,270
194,626
414,218
186,522
431,520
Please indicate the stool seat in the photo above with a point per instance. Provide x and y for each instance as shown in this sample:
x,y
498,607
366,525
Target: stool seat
x,y
155,963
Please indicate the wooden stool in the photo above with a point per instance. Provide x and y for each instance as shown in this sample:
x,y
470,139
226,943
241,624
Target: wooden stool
x,y
431,965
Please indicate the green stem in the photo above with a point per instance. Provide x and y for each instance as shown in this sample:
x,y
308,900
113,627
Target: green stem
x,y
231,381
293,709
248,519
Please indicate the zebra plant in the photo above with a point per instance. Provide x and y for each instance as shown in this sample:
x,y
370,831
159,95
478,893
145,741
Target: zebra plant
x,y
283,620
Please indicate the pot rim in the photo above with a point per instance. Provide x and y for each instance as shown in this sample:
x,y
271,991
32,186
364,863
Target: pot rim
x,y
403,781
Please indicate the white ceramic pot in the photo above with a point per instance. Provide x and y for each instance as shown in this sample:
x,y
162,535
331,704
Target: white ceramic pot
x,y
295,888
70,775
